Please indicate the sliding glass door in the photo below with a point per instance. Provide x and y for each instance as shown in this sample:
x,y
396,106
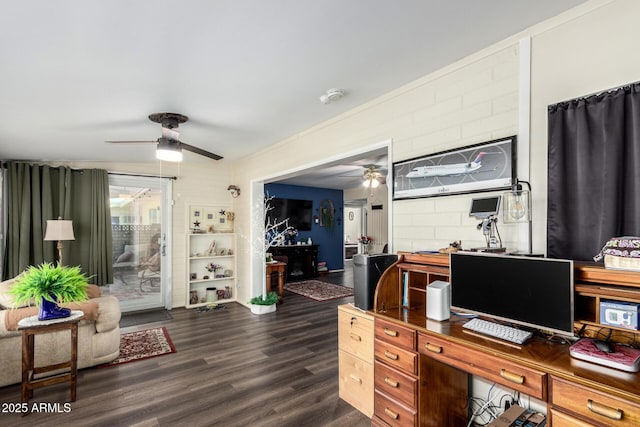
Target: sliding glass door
x,y
140,222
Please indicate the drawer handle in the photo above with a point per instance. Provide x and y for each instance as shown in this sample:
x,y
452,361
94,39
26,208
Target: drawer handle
x,y
355,337
513,377
355,378
390,332
392,414
391,382
390,355
606,411
433,348
353,320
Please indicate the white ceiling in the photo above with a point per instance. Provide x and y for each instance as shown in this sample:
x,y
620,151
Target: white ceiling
x,y
248,73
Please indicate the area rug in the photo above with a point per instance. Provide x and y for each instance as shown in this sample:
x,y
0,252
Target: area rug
x,y
317,290
144,344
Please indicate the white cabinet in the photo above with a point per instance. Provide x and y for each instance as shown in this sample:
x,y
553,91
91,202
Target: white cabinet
x,y
206,250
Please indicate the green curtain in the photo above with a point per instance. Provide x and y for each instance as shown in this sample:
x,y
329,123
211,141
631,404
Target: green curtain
x,y
36,193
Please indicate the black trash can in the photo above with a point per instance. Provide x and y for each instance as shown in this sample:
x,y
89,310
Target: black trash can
x,y
367,270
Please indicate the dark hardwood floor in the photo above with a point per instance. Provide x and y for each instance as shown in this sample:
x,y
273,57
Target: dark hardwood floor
x,y
232,368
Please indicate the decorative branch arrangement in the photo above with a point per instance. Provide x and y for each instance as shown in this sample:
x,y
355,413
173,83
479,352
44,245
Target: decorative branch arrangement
x,y
275,232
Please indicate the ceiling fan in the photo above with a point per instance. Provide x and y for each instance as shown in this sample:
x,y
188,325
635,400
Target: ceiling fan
x,y
169,147
372,176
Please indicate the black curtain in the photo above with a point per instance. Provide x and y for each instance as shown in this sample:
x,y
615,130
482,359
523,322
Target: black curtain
x,y
594,172
37,193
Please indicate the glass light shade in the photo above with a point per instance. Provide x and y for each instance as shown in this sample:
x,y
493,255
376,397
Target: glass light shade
x,y
371,182
168,150
516,206
58,229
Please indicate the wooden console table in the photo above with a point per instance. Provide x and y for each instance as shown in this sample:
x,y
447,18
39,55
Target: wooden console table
x,y
31,327
422,366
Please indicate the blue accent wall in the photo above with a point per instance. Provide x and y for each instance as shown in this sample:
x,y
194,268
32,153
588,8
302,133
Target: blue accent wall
x,y
329,239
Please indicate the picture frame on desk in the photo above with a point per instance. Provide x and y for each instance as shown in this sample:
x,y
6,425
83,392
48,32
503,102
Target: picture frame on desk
x,y
486,166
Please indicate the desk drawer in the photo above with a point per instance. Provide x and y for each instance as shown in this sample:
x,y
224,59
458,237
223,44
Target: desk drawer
x,y
492,368
396,357
355,333
560,419
392,412
594,405
356,382
394,383
395,334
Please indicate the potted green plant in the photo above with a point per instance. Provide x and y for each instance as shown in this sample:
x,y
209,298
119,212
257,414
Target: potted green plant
x,y
260,305
46,285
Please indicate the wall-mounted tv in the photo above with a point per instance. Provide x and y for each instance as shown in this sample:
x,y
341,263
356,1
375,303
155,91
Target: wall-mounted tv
x,y
299,212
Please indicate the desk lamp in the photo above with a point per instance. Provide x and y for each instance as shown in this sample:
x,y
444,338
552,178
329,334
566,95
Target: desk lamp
x,y
59,229
517,206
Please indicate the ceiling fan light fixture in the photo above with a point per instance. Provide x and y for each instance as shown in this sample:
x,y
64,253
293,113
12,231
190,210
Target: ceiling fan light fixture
x,y
168,150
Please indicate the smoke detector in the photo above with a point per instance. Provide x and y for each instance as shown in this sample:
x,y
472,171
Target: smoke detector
x,y
332,95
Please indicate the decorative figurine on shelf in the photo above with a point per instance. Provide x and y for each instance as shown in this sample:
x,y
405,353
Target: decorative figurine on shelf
x,y
453,247
196,227
193,297
212,249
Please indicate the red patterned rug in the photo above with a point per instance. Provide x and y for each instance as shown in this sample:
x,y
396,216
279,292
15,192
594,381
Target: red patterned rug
x,y
141,345
317,290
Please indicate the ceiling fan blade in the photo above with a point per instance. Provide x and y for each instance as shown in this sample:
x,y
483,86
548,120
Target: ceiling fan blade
x,y
132,142
199,151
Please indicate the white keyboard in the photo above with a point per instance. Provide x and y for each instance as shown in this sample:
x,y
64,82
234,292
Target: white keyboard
x,y
497,330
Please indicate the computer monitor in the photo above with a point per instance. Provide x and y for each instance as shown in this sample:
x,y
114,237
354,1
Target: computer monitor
x,y
535,292
484,208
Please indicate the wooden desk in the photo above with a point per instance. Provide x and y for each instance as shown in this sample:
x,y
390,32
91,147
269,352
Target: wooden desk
x,y
31,327
576,392
280,268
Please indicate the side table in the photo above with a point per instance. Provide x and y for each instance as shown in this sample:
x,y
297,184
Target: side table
x,y
279,267
30,327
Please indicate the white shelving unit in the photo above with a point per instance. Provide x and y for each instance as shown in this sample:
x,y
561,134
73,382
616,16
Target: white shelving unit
x,y
200,253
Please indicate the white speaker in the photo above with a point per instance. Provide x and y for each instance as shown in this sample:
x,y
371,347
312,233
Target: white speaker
x,y
438,300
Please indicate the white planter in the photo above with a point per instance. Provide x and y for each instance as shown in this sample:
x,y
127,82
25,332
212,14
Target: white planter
x,y
262,309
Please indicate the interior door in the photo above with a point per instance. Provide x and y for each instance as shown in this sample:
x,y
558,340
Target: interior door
x,y
140,225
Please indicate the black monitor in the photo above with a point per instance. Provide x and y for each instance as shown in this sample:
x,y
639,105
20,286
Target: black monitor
x,y
484,208
535,292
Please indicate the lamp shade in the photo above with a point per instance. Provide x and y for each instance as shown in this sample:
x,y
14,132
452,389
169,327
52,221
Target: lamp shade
x,y
59,229
168,150
516,206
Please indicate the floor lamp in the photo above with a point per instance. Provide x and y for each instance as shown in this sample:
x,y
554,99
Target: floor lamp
x,y
59,229
516,207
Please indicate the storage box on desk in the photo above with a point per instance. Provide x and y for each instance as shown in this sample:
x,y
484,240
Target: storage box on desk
x,y
621,253
620,314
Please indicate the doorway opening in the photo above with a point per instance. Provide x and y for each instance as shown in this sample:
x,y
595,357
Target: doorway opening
x,y
140,231
326,174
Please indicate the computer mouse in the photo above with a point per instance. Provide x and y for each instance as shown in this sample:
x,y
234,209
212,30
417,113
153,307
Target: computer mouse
x,y
604,346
